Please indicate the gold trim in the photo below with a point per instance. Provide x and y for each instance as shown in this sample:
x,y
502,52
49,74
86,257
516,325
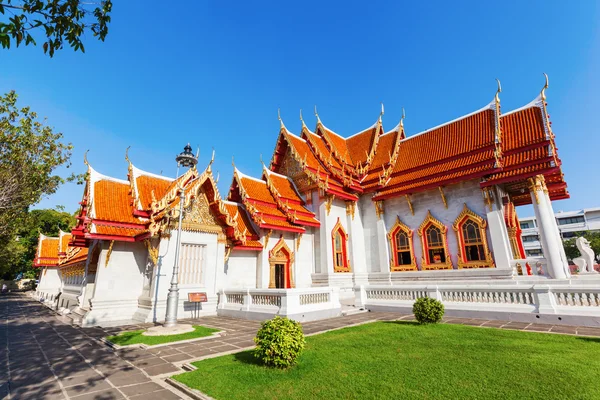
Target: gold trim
x,y
430,219
536,184
228,252
108,253
488,197
443,197
328,202
298,241
336,227
350,208
277,256
465,215
399,226
379,208
267,236
412,211
152,251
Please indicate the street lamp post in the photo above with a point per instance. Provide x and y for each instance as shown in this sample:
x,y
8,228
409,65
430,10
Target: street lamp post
x,y
184,159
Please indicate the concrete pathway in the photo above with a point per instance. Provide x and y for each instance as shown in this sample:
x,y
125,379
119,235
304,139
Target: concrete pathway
x,y
43,357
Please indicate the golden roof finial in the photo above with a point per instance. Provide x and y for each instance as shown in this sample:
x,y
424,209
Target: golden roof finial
x,y
232,162
317,114
382,112
402,118
212,158
218,176
127,154
279,118
262,162
543,92
497,97
302,119
85,160
198,153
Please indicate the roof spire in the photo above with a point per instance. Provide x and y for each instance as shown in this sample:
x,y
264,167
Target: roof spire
x,y
198,152
302,119
279,118
317,115
127,155
497,97
232,162
262,162
402,118
382,112
85,161
543,92
212,158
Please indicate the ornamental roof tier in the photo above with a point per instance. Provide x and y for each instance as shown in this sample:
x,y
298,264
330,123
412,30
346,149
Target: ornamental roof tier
x,y
504,149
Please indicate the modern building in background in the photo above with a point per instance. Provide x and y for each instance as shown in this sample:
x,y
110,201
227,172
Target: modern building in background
x,y
570,224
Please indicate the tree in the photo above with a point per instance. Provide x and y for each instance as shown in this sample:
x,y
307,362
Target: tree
x,y
30,152
572,251
18,254
60,21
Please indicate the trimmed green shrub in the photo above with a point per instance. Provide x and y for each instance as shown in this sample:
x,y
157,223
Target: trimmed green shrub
x,y
428,311
279,342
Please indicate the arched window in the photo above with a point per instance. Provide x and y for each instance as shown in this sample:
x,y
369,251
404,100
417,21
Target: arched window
x,y
473,250
401,246
340,254
435,245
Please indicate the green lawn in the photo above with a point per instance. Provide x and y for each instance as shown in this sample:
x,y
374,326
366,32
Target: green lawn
x,y
400,360
136,337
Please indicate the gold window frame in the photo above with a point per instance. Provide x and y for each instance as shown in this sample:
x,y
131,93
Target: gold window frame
x,y
399,226
465,215
425,264
339,227
277,255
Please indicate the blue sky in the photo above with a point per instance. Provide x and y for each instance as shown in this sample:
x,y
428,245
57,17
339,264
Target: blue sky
x,y
214,73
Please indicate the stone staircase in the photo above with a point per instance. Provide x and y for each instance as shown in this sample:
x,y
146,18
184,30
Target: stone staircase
x,y
76,315
348,307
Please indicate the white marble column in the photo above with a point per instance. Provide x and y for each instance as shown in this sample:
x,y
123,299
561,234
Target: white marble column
x,y
382,240
499,235
552,245
358,261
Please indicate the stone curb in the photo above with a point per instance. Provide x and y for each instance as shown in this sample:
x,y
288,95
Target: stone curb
x,y
193,393
154,346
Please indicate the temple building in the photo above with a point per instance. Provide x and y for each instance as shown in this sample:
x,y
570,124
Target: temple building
x,y
330,214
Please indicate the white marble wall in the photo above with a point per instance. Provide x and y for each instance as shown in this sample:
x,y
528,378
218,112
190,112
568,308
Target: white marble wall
x,y
456,196
50,283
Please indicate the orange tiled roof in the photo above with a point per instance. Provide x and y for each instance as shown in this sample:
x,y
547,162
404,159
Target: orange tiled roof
x,y
118,231
146,185
47,254
64,239
243,219
77,255
360,145
111,202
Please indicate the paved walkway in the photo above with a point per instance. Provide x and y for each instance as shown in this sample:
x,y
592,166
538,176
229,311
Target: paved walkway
x,y
44,357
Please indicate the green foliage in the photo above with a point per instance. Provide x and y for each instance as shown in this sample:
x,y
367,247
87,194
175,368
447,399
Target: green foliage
x,y
279,342
428,310
404,360
30,152
17,254
572,251
135,337
59,20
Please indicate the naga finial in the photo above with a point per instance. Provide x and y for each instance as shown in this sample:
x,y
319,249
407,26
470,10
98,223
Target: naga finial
x,y
85,160
279,117
232,162
198,153
218,176
497,97
127,154
212,158
261,161
402,118
317,114
382,111
543,92
302,119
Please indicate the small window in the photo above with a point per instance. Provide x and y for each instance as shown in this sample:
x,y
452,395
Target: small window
x,y
526,225
191,263
340,254
571,220
402,258
435,242
473,250
530,238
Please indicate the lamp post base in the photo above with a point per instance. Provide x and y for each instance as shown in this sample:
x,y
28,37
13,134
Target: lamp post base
x,y
162,330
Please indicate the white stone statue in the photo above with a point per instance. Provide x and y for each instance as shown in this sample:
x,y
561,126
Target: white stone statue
x,y
585,263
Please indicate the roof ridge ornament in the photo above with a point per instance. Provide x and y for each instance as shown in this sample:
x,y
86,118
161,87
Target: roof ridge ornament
x,y
382,112
543,92
282,126
497,97
302,119
127,155
317,115
85,160
212,158
402,118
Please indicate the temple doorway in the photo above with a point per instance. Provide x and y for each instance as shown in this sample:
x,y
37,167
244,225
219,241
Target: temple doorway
x,y
280,261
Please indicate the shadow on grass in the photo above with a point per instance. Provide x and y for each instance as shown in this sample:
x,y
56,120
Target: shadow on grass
x,y
415,323
247,357
589,339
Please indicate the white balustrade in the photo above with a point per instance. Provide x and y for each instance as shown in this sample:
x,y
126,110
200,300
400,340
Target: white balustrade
x,y
578,303
301,304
